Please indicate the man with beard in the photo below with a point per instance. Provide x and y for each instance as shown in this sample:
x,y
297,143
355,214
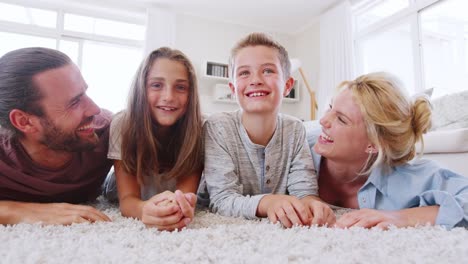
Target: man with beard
x,y
53,140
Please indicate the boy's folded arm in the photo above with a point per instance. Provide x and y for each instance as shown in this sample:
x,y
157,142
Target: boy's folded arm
x,y
222,179
226,192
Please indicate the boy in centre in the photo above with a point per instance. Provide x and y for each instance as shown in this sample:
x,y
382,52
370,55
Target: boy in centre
x,y
257,161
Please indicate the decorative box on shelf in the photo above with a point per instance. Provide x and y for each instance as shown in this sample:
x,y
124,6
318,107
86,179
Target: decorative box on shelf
x,y
216,70
222,94
293,96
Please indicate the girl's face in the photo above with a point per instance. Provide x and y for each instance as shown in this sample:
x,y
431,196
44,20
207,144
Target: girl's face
x,y
168,90
344,135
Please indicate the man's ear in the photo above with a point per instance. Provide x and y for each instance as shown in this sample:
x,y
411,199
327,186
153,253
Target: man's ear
x,y
288,86
22,121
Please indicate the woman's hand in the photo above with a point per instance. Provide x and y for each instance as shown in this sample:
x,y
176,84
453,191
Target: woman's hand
x,y
383,219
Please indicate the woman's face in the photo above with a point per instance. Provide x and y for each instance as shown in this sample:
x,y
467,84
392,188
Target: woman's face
x,y
344,136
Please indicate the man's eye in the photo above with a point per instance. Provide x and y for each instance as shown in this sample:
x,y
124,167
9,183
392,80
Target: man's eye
x,y
268,71
243,73
75,103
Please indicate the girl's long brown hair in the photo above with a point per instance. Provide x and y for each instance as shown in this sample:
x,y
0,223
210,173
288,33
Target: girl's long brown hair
x,y
143,154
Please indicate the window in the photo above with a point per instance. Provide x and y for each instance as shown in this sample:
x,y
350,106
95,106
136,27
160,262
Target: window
x,y
12,41
390,50
445,46
107,51
109,70
104,27
378,10
27,15
423,42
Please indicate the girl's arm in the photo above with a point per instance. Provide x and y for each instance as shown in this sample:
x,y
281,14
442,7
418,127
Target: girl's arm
x,y
130,202
189,183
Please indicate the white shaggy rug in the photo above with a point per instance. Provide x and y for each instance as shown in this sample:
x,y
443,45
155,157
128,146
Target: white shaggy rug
x,y
215,239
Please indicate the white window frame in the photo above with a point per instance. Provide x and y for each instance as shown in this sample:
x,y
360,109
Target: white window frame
x,y
412,13
59,33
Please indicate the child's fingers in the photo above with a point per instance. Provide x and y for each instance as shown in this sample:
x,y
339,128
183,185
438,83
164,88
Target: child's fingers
x,y
291,214
161,210
272,216
185,206
318,214
301,211
191,198
171,227
164,196
283,218
151,220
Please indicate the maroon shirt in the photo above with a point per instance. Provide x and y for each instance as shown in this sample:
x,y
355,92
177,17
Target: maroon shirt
x,y
80,180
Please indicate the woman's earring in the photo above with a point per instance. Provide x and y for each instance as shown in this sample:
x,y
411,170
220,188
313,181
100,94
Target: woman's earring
x,y
370,149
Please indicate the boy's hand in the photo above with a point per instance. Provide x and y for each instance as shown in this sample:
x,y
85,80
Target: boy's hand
x,y
284,208
320,212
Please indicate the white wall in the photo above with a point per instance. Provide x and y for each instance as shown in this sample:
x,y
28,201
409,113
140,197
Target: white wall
x,y
203,39
308,51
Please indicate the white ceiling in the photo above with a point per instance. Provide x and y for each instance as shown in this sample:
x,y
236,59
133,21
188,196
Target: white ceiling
x,y
284,16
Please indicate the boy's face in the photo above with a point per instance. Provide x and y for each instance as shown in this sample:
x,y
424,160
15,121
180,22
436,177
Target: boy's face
x,y
258,80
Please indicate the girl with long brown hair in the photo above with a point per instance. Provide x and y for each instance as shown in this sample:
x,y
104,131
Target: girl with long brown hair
x,y
157,142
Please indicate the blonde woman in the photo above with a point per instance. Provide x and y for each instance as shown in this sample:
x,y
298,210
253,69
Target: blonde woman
x,y
363,153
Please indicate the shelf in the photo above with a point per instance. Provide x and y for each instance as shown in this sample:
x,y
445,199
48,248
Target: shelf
x,y
215,70
222,93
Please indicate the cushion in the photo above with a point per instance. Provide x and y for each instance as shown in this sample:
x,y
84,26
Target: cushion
x,y
445,141
450,111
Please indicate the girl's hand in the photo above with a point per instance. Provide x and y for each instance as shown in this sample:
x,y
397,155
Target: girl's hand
x,y
187,203
163,212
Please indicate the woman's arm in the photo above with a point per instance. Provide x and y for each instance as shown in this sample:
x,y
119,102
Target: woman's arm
x,y
383,219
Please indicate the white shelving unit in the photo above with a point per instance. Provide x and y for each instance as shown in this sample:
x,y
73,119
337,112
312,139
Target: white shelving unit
x,y
222,94
215,70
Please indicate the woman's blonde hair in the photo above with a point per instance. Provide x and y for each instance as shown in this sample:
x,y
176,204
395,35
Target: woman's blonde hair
x,y
143,154
394,122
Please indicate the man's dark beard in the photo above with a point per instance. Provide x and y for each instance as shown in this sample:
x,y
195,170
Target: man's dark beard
x,y
57,139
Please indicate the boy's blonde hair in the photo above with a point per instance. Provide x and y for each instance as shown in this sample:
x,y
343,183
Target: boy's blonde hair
x,y
260,39
394,122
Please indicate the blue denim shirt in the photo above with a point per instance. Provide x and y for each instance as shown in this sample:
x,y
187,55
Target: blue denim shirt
x,y
418,183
